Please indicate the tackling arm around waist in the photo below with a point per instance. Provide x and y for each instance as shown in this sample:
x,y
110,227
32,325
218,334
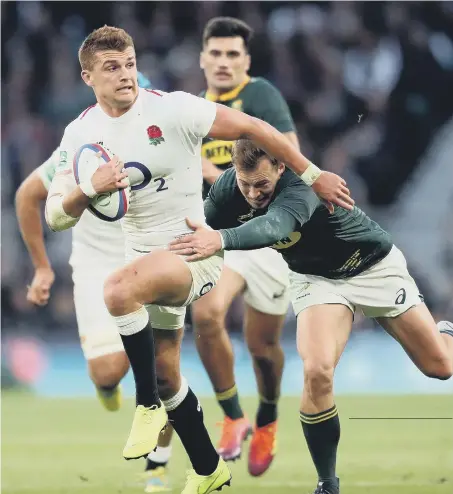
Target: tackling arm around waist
x,y
259,232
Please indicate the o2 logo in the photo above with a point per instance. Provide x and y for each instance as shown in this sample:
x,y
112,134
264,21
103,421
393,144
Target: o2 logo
x,y
147,177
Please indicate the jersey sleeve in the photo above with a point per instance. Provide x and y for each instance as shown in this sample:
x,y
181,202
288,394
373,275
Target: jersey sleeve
x,y
46,171
298,200
63,180
270,106
254,234
196,115
260,232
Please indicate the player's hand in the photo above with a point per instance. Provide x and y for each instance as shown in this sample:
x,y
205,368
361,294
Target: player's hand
x,y
110,176
38,292
333,190
200,244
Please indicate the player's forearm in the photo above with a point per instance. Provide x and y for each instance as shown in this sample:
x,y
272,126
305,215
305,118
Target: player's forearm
x,y
292,137
64,211
75,203
28,205
259,232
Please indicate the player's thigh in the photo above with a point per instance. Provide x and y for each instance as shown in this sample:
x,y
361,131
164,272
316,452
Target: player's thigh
x,y
97,329
163,278
418,334
324,321
159,277
266,275
209,311
322,334
262,330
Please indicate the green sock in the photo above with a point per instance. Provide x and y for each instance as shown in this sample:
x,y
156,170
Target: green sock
x,y
322,433
229,401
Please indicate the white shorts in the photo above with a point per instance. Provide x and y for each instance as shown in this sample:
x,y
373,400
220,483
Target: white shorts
x,y
205,275
98,332
384,290
267,279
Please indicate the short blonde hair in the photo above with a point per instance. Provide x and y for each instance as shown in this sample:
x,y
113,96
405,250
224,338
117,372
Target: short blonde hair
x,y
104,38
246,156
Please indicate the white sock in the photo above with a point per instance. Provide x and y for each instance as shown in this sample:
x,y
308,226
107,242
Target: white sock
x,y
132,323
161,455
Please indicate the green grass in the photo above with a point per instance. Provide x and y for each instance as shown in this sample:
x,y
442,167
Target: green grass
x,y
73,446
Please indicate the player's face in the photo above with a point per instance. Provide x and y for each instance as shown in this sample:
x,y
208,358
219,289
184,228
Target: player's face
x,y
225,62
114,77
258,186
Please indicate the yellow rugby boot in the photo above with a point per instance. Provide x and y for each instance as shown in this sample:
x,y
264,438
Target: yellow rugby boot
x,y
201,484
147,425
156,480
112,399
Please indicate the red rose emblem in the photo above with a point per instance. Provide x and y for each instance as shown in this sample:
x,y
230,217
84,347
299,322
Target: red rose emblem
x,y
154,132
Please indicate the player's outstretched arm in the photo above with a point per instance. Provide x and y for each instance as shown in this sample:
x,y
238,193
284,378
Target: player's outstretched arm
x,y
232,124
255,234
30,196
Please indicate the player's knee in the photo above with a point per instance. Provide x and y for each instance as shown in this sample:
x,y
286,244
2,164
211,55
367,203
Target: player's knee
x,y
318,378
262,347
116,293
209,321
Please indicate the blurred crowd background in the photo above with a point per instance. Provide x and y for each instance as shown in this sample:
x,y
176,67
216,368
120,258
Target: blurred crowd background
x,y
370,86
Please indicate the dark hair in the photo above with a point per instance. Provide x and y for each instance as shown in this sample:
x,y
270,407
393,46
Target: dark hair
x,y
104,38
227,27
246,155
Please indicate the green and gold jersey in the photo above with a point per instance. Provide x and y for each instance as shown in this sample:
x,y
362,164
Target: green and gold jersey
x,y
336,246
258,98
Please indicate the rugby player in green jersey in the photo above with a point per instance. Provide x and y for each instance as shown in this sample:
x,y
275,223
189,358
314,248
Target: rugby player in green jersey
x,y
339,263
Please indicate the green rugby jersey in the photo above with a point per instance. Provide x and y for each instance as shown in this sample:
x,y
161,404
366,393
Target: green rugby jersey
x,y
258,98
299,226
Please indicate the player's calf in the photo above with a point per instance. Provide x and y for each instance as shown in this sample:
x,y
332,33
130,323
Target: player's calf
x,y
150,417
186,416
168,347
214,346
107,371
268,360
428,344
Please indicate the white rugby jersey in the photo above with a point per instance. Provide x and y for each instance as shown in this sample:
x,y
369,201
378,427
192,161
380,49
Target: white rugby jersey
x,y
93,240
159,140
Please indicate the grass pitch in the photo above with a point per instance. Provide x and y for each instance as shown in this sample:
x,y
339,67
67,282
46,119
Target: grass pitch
x,y
390,445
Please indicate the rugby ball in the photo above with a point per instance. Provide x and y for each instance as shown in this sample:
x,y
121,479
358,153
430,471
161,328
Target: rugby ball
x,y
108,206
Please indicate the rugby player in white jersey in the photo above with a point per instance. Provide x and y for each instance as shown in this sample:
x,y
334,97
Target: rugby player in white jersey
x,y
97,251
148,296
